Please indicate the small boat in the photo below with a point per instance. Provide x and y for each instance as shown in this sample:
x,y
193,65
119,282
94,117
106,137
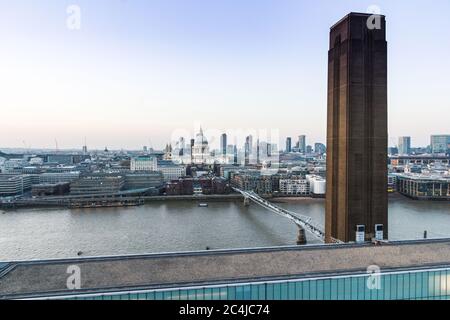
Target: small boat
x,y
203,205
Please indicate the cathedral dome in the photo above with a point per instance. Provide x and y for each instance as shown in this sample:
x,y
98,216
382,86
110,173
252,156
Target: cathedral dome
x,y
200,139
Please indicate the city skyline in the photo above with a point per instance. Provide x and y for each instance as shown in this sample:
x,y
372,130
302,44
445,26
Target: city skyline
x,y
244,188
121,80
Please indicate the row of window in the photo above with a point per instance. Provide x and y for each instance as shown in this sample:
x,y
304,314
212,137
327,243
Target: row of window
x,y
416,285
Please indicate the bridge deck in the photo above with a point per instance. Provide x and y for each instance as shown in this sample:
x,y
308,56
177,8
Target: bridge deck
x,y
37,278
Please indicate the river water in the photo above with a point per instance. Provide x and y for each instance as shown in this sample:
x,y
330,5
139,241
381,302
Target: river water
x,y
183,226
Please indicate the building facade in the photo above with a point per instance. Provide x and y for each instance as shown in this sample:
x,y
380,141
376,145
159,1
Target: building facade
x,y
143,180
302,144
223,144
97,184
440,144
144,164
172,171
56,177
424,187
14,185
288,144
294,187
247,182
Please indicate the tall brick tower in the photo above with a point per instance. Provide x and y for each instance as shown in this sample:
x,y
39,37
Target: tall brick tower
x,y
357,132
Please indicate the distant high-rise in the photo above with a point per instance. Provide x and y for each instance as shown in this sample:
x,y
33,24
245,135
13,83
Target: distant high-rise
x,y
320,148
440,144
247,150
192,150
288,144
223,144
269,150
404,145
302,144
257,152
85,148
356,196
181,146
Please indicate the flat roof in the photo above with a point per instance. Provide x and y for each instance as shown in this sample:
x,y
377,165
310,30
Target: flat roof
x,y
355,14
28,279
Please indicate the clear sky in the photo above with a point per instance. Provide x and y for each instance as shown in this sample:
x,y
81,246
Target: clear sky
x,y
138,70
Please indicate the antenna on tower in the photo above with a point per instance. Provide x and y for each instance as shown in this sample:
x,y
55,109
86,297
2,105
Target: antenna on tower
x,y
56,144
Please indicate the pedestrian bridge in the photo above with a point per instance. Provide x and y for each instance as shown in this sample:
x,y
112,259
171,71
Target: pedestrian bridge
x,y
302,221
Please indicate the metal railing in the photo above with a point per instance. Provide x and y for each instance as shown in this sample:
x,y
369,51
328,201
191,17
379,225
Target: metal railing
x,y
302,221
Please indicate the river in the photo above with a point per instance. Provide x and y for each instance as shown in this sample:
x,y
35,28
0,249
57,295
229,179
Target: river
x,y
183,226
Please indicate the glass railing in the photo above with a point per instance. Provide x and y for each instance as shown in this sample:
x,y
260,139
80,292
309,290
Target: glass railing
x,y
431,284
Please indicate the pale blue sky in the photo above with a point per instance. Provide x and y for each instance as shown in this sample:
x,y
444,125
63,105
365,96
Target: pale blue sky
x,y
141,69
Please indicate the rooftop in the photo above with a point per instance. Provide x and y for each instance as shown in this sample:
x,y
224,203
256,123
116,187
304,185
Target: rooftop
x,y
354,14
120,273
424,177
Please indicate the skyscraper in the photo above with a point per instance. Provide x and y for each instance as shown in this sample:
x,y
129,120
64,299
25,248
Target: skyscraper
x,y
192,150
257,152
223,144
247,150
302,144
288,144
181,146
404,145
357,129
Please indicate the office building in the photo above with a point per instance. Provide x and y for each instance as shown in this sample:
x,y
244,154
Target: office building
x,y
294,187
223,144
14,185
302,144
357,129
58,177
97,184
171,171
404,146
288,144
13,166
144,164
252,182
143,180
424,186
440,144
66,159
247,150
